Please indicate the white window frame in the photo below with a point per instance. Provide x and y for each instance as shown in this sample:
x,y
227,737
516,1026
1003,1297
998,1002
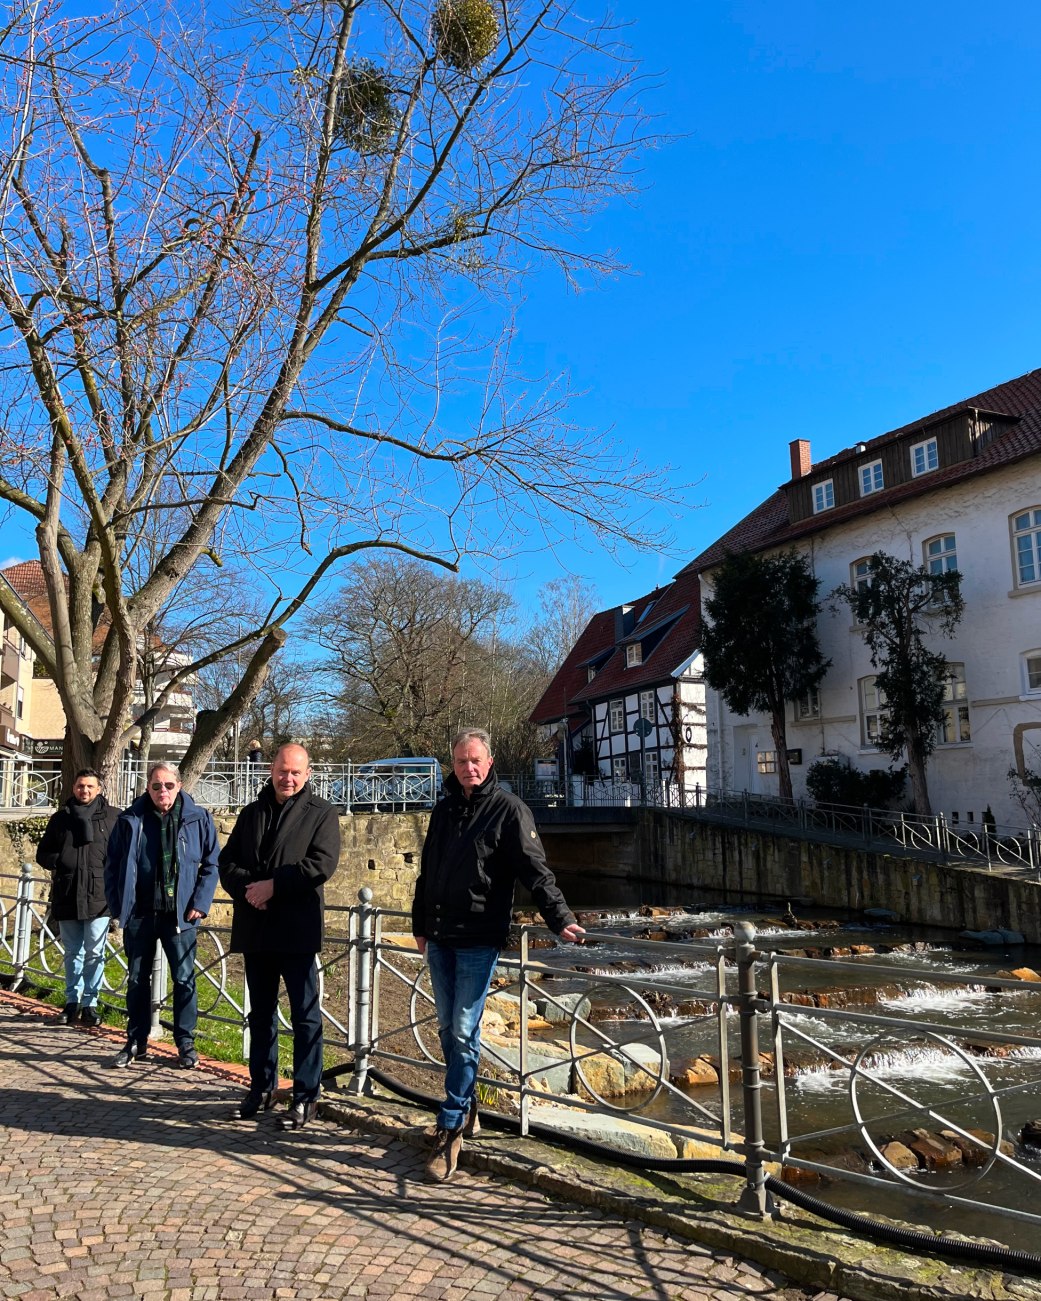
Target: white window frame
x,y
871,478
860,573
1030,662
956,728
823,496
808,707
925,457
649,705
616,715
765,762
633,654
944,558
872,711
620,768
651,767
1025,527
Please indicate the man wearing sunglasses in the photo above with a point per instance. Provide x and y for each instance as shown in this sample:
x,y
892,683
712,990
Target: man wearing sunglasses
x,y
160,878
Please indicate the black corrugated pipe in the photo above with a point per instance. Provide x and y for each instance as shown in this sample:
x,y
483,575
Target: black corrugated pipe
x,y
973,1253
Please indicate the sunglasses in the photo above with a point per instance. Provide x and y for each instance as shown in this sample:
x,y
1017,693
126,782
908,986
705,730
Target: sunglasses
x,y
164,786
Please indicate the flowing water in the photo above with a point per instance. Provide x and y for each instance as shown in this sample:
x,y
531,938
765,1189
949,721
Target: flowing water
x,y
917,975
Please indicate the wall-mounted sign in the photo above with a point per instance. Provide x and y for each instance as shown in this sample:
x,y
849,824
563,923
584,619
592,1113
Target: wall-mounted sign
x,y
45,749
795,756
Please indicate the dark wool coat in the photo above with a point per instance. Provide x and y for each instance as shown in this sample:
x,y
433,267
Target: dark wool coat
x,y
475,852
78,871
301,855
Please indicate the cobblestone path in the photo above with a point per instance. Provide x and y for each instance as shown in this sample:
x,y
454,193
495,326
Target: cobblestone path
x,y
133,1183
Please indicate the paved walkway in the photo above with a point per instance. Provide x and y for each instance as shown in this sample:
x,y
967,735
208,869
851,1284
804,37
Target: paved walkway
x,y
134,1183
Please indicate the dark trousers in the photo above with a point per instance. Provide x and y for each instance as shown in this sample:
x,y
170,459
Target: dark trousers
x,y
299,973
140,936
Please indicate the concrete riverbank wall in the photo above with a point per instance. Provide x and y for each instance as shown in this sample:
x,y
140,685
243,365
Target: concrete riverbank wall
x,y
672,858
654,856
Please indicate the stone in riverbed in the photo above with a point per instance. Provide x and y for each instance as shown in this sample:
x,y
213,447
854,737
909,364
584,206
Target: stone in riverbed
x,y
899,1156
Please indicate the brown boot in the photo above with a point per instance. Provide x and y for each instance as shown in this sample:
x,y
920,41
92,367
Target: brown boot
x,y
444,1157
472,1126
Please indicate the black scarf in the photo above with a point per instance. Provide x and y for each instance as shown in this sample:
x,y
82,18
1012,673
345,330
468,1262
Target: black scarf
x,y
82,818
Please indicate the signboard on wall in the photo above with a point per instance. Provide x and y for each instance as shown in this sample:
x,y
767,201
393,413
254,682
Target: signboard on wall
x,y
41,748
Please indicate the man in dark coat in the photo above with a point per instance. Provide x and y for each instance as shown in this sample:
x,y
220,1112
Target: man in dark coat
x,y
480,841
160,879
282,850
73,851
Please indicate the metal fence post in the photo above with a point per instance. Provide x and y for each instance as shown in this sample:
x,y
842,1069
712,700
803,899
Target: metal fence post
x,y
522,1055
23,924
362,993
159,969
754,1197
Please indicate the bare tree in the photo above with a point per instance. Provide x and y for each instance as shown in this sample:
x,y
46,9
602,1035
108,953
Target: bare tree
x,y
238,262
408,650
566,606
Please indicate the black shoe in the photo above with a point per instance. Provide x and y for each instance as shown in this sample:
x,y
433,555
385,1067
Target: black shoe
x,y
127,1054
90,1016
252,1103
187,1057
298,1115
70,1012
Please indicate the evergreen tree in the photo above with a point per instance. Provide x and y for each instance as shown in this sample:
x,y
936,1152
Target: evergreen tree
x,y
897,606
761,648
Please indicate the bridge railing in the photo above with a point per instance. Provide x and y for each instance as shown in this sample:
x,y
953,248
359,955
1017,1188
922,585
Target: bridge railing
x,y
687,1047
351,786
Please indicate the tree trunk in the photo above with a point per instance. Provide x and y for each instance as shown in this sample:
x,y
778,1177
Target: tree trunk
x,y
919,786
784,772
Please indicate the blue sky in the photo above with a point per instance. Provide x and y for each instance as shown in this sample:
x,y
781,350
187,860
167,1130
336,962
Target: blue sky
x,y
845,238
841,236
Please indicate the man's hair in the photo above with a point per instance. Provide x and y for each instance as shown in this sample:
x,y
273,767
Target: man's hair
x,y
163,767
293,745
87,772
472,734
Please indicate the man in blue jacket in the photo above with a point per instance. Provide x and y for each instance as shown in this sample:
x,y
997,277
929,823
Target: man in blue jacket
x,y
160,878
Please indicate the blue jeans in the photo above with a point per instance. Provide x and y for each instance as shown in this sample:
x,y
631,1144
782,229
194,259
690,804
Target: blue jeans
x,y
84,945
460,979
299,972
140,936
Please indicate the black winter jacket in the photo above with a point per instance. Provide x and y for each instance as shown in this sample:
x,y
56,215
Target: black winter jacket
x,y
301,856
78,871
475,852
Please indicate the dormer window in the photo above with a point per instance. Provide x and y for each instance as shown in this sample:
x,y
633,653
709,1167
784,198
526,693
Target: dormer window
x,y
590,672
823,496
871,478
924,457
633,654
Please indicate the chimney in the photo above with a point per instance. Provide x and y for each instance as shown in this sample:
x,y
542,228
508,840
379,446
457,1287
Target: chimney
x,y
800,452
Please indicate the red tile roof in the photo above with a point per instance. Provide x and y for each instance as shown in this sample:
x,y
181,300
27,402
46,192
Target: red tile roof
x,y
676,608
769,525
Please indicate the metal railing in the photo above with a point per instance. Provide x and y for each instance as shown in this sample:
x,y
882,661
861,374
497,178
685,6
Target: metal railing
x,y
592,1032
350,786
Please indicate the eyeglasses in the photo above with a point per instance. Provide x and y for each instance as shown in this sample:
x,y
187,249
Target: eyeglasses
x,y
164,786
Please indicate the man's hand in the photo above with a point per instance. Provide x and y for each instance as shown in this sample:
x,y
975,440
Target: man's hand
x,y
258,893
193,915
421,945
570,934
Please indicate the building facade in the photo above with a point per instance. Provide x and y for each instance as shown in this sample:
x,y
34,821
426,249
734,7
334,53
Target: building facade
x,y
630,699
960,489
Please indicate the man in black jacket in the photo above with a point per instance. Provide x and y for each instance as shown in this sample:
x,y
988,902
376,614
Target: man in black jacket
x,y
480,841
282,849
73,850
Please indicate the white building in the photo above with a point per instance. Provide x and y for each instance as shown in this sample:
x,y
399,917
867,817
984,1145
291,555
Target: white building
x,y
958,489
631,696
